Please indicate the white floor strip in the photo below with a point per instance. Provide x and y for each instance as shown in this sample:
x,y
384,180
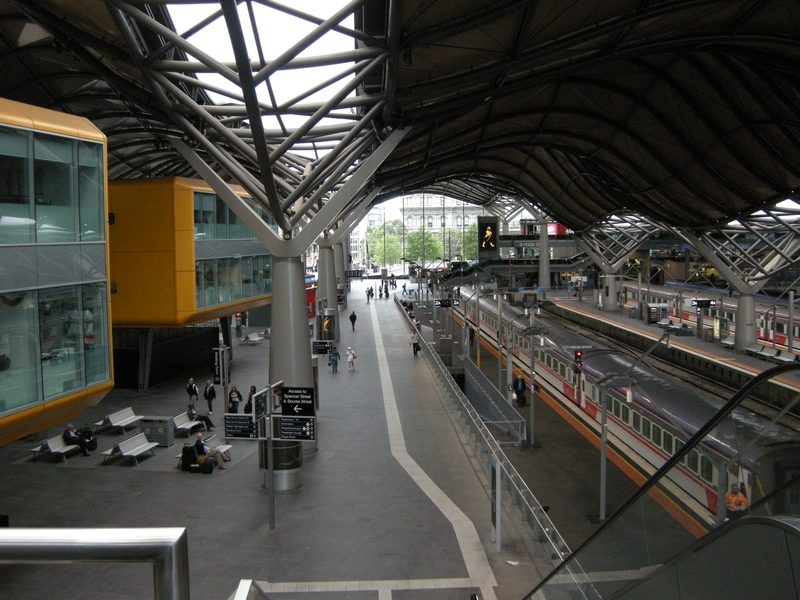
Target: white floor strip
x,y
480,573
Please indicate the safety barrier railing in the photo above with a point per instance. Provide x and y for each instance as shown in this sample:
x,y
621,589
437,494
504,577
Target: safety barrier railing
x,y
691,494
165,547
493,406
537,531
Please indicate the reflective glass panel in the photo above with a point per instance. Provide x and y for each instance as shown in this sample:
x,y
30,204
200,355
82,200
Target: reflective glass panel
x,y
61,338
53,189
16,218
18,351
95,332
91,191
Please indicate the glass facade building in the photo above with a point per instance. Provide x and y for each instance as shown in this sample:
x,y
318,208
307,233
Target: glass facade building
x,y
54,308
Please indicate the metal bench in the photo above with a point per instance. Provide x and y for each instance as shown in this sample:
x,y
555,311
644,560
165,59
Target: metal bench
x,y
664,323
727,344
784,358
213,442
55,445
768,354
120,419
184,423
131,448
753,349
251,339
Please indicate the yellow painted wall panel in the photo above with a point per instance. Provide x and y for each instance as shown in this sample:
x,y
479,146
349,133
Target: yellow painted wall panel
x,y
144,216
43,119
183,211
186,298
145,288
184,251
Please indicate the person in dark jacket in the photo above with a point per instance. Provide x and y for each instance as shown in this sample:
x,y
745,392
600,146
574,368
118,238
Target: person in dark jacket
x,y
73,438
210,394
353,318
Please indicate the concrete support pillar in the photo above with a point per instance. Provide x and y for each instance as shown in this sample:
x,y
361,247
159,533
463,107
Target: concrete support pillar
x,y
326,280
609,291
340,260
505,251
544,256
290,348
745,323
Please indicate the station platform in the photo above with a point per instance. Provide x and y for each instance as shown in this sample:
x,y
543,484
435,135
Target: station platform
x,y
392,505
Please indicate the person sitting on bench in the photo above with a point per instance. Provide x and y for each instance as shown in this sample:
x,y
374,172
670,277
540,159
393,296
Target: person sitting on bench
x,y
194,416
74,438
203,449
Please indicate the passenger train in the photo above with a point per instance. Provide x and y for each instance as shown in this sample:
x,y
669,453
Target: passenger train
x,y
772,321
654,418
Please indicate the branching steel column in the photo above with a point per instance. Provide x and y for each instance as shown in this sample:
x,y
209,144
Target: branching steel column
x,y
231,13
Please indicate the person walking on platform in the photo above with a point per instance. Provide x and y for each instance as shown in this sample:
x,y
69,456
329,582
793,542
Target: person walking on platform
x,y
404,289
234,397
351,359
193,392
353,318
210,394
414,343
519,389
334,360
368,290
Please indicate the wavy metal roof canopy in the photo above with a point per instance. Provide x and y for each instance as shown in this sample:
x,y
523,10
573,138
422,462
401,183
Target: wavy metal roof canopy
x,y
683,111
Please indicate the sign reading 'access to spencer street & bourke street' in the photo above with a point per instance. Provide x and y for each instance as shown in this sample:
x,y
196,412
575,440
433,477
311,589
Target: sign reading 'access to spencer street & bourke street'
x,y
297,402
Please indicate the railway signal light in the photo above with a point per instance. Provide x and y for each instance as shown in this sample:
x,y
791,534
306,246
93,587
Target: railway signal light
x,y
579,358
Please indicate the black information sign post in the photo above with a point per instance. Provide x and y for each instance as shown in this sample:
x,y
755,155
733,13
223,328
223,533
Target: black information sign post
x,y
321,347
297,402
240,426
294,428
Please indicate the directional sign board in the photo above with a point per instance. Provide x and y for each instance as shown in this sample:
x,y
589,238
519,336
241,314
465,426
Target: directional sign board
x,y
321,347
703,302
298,402
294,428
240,426
447,302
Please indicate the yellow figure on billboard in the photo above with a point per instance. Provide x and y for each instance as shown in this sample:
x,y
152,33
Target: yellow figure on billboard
x,y
487,237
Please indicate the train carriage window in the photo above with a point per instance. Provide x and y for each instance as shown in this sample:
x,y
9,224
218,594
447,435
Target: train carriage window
x,y
616,408
562,371
693,461
548,360
706,469
667,443
678,445
646,427
657,435
626,414
637,422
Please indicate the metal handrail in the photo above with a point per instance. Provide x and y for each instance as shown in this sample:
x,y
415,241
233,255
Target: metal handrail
x,y
166,547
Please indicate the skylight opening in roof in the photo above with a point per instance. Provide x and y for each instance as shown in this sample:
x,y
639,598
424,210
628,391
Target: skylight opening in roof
x,y
294,90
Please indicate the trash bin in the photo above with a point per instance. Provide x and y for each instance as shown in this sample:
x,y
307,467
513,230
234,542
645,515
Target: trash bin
x,y
288,461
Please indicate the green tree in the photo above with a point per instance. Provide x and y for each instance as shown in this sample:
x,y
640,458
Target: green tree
x,y
378,244
395,228
470,248
422,245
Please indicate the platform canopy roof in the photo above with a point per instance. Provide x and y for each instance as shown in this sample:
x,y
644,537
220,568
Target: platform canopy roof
x,y
684,111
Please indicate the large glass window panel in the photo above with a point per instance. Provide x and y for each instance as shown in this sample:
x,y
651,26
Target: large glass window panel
x,y
222,219
198,284
236,278
247,277
16,217
53,189
61,338
90,191
19,363
210,282
209,216
234,226
258,275
223,281
95,332
267,274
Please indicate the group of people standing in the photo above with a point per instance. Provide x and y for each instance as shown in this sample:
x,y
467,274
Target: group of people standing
x,y
209,395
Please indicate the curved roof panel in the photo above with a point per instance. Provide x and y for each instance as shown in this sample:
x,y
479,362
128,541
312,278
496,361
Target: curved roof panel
x,y
684,111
